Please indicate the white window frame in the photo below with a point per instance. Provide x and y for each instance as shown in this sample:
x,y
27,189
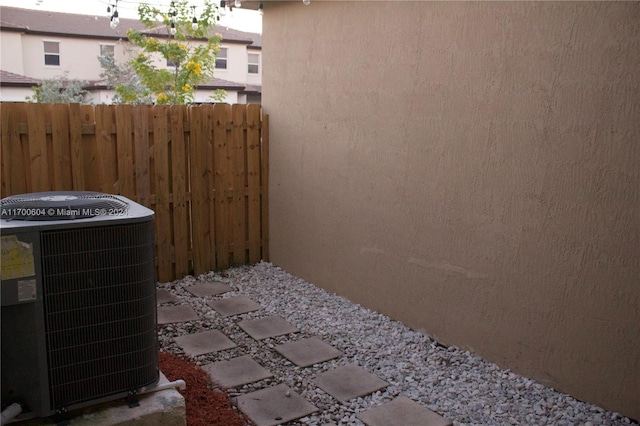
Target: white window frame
x,y
256,64
221,58
44,57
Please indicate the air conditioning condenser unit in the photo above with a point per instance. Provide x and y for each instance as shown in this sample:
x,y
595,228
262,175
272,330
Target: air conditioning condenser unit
x,y
78,300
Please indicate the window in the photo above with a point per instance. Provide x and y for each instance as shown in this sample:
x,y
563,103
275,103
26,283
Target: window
x,y
107,49
253,62
221,59
52,53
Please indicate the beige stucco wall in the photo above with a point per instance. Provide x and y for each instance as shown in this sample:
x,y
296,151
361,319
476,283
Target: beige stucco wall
x,y
78,57
15,94
471,169
11,53
236,63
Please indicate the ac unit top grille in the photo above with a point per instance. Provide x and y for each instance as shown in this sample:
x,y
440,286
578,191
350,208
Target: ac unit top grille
x,y
60,205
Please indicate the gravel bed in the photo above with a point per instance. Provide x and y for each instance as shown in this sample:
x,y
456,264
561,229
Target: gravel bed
x,y
455,384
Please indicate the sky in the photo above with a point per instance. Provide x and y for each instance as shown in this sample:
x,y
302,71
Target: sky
x,y
240,19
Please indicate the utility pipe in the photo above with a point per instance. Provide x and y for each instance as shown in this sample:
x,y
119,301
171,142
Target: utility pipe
x,y
180,384
10,413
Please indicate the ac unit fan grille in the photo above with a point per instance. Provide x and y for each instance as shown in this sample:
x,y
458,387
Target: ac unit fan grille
x,y
99,302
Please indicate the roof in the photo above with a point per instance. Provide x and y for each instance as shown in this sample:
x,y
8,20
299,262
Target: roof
x,y
9,79
252,89
218,83
229,34
61,24
89,26
212,84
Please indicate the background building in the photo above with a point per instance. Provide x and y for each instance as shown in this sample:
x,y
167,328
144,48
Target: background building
x,y
36,45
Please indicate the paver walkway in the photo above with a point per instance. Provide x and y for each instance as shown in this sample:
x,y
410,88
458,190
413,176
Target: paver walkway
x,y
279,404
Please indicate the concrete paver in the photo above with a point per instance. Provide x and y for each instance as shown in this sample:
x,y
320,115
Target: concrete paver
x,y
348,382
309,351
402,411
179,313
275,405
267,327
208,289
236,372
279,404
234,306
203,343
163,296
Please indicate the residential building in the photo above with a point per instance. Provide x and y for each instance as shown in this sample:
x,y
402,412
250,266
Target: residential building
x,y
37,45
470,169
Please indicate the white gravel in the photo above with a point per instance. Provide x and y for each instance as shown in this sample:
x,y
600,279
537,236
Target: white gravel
x,y
455,384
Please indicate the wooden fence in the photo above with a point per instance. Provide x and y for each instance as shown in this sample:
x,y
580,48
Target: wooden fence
x,y
203,169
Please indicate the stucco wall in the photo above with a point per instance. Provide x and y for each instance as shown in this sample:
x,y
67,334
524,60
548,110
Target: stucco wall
x,y
15,94
236,63
78,56
471,169
11,53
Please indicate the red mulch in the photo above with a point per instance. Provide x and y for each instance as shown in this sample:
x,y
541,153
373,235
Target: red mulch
x,y
205,406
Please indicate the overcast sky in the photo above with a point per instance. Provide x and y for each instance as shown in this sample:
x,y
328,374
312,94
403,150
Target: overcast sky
x,y
243,20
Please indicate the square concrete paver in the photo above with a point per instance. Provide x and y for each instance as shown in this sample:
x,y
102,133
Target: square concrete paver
x,y
203,343
234,306
402,411
208,289
275,405
306,352
348,382
178,313
163,296
236,372
267,327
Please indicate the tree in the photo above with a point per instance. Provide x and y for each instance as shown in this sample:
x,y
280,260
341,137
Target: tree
x,y
186,41
125,81
60,90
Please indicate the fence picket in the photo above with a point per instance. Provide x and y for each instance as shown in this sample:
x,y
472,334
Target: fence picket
x,y
61,148
90,148
179,175
200,193
124,148
238,176
221,155
207,180
76,148
14,178
264,183
141,154
37,148
162,191
253,181
107,158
